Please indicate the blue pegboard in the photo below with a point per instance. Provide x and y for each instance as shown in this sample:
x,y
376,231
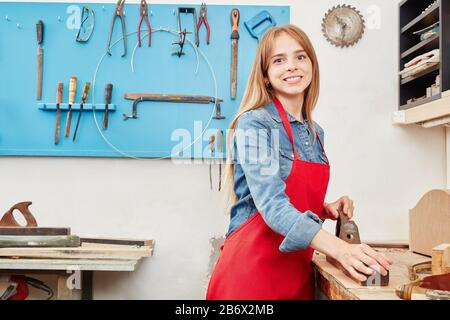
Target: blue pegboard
x,y
26,128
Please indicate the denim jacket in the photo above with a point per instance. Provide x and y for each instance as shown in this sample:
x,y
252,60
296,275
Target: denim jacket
x,y
263,156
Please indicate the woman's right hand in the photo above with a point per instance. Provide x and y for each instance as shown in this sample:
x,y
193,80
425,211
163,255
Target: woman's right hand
x,y
360,260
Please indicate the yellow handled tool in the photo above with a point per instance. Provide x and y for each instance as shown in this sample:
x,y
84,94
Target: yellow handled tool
x,y
72,93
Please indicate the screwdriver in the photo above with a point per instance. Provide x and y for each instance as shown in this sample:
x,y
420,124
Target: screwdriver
x,y
212,138
59,94
108,92
86,88
72,92
220,150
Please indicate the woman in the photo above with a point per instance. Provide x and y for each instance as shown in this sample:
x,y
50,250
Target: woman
x,y
280,175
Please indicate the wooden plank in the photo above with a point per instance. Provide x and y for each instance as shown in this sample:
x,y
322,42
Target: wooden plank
x,y
435,109
12,265
392,244
337,285
86,251
441,259
34,231
431,68
39,241
120,241
429,221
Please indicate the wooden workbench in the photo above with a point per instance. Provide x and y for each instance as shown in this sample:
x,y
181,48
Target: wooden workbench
x,y
63,262
335,285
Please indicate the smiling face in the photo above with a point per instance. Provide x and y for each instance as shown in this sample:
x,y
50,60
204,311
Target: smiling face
x,y
290,69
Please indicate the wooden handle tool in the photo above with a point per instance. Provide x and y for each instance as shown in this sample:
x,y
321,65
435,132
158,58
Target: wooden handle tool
x,y
59,95
72,93
86,88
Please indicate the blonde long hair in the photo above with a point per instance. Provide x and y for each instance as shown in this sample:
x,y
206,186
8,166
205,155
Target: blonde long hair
x,y
257,94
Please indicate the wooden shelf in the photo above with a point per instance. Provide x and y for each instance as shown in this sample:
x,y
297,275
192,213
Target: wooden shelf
x,y
423,20
422,47
420,102
435,109
420,74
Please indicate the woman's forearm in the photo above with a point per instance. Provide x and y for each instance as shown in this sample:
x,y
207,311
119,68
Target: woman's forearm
x,y
328,244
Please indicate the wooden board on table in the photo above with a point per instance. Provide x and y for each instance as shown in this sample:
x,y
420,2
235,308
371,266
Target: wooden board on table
x,y
33,231
121,241
39,241
441,259
12,265
429,221
86,251
338,286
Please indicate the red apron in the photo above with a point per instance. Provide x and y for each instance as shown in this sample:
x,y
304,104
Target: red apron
x,y
251,266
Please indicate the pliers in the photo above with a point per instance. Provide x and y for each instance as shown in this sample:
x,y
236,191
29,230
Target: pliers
x,y
118,12
144,15
205,21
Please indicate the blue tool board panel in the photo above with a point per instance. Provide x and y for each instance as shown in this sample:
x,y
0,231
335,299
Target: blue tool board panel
x,y
27,130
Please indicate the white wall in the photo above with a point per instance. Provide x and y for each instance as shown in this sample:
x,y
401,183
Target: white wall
x,y
384,168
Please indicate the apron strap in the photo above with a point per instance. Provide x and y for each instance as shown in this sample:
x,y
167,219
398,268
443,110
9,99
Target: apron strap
x,y
286,124
323,149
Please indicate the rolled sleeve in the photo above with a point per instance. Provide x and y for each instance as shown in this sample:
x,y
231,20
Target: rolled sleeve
x,y
302,232
256,150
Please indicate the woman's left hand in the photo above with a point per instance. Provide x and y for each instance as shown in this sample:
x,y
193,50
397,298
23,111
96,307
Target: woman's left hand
x,y
343,204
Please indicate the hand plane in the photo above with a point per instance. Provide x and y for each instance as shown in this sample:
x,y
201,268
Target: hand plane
x,y
347,230
8,219
9,226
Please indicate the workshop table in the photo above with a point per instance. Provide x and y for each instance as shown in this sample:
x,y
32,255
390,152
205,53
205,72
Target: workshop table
x,y
62,262
335,285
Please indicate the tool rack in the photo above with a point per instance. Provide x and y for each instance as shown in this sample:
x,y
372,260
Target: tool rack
x,y
27,126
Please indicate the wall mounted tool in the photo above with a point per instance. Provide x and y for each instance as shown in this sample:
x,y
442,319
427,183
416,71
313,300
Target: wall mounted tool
x,y
220,151
343,26
182,32
180,43
143,11
86,88
86,26
40,54
212,138
59,94
254,24
118,12
139,97
108,93
203,19
234,50
347,230
72,93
